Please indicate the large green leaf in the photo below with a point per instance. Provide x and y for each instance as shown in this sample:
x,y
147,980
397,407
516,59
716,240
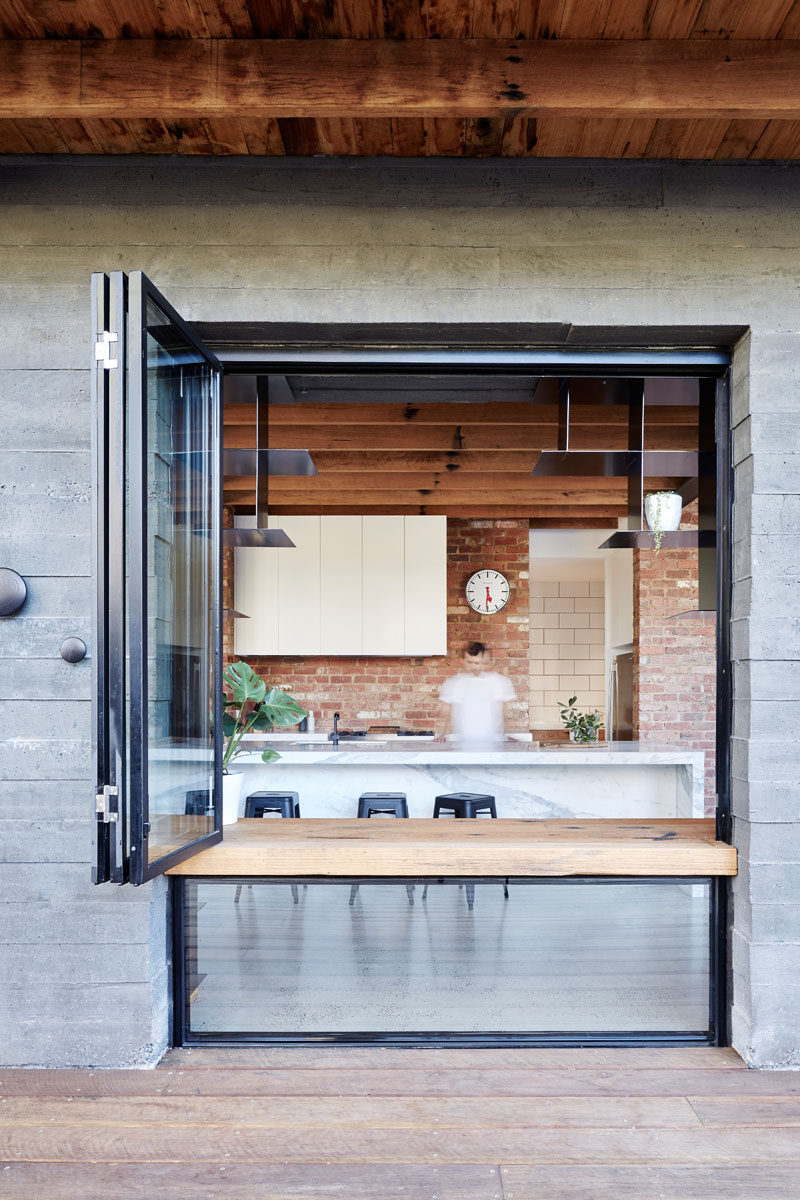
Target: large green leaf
x,y
244,684
282,709
229,725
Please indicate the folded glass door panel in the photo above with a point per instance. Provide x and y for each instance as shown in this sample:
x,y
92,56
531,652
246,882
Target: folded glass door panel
x,y
159,712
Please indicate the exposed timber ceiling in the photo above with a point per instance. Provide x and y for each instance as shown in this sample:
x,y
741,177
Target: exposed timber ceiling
x,y
699,79
462,447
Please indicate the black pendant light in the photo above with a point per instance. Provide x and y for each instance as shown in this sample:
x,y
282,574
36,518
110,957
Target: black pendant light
x,y
263,462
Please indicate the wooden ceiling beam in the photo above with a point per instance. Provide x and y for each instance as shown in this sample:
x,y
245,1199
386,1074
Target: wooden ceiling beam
x,y
424,412
474,481
452,437
446,78
575,518
443,496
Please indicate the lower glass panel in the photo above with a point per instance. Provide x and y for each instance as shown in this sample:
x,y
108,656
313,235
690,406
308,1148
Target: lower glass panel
x,y
275,957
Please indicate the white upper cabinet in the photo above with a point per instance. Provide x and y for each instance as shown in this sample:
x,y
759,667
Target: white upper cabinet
x,y
352,585
383,584
425,618
340,591
299,586
255,587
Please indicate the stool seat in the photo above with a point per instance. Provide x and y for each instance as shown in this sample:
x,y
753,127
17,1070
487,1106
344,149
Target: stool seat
x,y
392,803
464,804
259,803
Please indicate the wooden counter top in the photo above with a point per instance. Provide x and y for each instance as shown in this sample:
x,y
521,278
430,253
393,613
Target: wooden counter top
x,y
424,847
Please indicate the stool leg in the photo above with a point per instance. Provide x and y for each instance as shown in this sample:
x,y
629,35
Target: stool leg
x,y
238,893
470,895
425,892
295,896
353,893
410,892
505,888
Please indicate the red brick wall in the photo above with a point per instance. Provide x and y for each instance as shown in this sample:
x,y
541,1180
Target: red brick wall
x,y
404,691
674,665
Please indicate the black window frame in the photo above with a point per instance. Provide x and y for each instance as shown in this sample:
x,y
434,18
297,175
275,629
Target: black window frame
x,y
119,394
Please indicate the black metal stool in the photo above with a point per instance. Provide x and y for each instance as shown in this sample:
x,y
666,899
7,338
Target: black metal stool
x,y
465,804
394,804
259,803
197,803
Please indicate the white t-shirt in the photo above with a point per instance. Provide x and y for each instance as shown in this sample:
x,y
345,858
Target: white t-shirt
x,y
477,705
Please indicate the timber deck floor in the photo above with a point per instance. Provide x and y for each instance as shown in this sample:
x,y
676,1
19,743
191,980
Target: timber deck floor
x,y
259,1123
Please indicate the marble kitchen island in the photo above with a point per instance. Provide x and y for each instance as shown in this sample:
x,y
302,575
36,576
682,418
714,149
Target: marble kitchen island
x,y
609,780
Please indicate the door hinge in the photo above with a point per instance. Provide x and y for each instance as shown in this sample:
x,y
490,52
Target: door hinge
x,y
102,350
106,803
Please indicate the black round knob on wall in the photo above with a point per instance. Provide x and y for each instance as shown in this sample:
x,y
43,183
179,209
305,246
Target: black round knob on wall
x,y
73,650
13,592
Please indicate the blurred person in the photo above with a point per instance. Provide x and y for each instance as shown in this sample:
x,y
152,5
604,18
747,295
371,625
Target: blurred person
x,y
476,697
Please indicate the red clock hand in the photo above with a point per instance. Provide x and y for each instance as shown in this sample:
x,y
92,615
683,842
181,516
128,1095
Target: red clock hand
x,y
488,597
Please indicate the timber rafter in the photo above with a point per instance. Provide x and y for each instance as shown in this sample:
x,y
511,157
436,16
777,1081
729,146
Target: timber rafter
x,y
363,78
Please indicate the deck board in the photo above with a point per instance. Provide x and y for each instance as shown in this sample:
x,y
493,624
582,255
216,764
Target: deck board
x,y
280,1123
420,847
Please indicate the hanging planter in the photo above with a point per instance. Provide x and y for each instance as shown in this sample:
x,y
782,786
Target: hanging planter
x,y
662,511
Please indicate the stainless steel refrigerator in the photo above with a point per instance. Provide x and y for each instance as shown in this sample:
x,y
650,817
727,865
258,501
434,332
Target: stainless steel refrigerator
x,y
619,719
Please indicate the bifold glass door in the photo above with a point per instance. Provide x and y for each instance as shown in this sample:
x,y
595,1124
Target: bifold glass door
x,y
158,643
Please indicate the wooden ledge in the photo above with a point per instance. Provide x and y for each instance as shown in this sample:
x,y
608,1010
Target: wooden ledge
x,y
418,847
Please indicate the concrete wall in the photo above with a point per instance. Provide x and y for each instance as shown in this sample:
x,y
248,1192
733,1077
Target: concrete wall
x,y
590,244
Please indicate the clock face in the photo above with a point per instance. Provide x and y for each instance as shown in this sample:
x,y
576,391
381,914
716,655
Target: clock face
x,y
487,591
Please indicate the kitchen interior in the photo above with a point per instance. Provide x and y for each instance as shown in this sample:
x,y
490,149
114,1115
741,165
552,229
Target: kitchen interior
x,y
418,484
395,491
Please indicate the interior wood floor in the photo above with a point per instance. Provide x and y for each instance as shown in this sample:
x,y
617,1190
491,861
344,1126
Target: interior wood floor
x,y
436,1124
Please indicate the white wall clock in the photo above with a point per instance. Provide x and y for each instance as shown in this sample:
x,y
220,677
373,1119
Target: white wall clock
x,y
487,591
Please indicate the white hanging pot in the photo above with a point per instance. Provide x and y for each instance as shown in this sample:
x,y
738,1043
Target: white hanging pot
x,y
662,511
231,795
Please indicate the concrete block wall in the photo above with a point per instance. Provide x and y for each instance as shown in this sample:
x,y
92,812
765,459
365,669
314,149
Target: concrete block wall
x,y
593,246
567,647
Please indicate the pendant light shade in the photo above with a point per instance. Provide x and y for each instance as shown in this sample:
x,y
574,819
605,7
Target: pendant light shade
x,y
256,539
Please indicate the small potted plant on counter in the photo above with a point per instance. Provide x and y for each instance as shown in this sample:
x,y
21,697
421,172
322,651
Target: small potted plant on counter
x,y
583,727
249,706
662,511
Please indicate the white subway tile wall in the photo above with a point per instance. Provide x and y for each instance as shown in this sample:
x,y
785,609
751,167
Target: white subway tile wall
x,y
567,647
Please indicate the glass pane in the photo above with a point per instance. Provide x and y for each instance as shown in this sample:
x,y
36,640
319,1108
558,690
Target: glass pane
x,y
284,957
180,483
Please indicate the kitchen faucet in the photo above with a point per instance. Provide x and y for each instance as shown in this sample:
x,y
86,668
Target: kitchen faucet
x,y
335,734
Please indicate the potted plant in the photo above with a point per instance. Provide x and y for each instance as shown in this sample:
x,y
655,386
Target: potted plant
x,y
662,511
249,705
583,727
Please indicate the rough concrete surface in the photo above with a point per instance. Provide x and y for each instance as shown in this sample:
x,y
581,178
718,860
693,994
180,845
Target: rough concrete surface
x,y
577,243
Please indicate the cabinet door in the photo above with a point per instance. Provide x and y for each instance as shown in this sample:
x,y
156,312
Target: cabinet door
x,y
255,589
383,591
341,562
298,586
425,585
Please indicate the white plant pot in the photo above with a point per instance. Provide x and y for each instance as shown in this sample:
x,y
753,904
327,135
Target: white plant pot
x,y
231,795
663,509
